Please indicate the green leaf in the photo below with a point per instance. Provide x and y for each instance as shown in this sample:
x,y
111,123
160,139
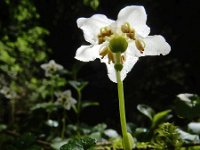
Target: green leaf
x,y
88,104
187,137
189,108
94,4
194,127
58,142
159,118
146,110
78,85
82,143
48,106
5,57
100,127
131,140
2,127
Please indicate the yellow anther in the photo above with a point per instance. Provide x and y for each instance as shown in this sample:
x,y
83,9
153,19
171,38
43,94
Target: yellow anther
x,y
126,28
104,32
111,58
131,35
104,52
140,45
123,59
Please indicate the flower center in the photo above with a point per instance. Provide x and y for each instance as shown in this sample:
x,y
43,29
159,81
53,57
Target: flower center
x,y
127,32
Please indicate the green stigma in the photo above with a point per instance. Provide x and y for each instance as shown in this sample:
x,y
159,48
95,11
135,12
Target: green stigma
x,y
118,44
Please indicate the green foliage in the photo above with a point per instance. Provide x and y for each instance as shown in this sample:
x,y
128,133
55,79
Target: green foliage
x,y
155,118
79,144
79,86
24,142
189,109
94,4
159,118
22,49
48,106
2,127
146,110
166,137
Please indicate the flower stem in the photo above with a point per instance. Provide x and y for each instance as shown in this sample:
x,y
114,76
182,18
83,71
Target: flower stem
x,y
63,124
12,111
120,87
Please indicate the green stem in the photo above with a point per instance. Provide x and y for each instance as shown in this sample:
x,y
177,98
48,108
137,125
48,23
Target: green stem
x,y
12,111
122,112
63,124
78,111
79,101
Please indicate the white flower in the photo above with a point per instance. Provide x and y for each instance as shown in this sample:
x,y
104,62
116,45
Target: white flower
x,y
65,98
8,93
131,25
51,68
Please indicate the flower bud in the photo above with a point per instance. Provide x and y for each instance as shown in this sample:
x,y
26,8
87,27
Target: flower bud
x,y
118,44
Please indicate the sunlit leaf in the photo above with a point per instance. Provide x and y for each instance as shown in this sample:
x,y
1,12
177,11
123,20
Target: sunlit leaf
x,y
94,4
187,137
100,127
79,144
132,142
52,123
111,133
188,106
159,118
78,85
146,110
48,106
58,142
194,127
3,127
88,104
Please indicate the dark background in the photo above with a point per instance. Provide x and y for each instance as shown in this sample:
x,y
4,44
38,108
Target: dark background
x,y
154,81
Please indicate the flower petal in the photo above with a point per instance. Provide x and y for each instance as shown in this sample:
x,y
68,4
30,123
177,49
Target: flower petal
x,y
91,26
130,61
127,66
136,16
156,45
87,53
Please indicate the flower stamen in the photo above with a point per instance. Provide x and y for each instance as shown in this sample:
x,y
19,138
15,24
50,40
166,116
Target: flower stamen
x,y
123,59
111,58
130,32
140,44
106,51
104,32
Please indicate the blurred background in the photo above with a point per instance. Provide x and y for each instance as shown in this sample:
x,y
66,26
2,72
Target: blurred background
x,y
154,81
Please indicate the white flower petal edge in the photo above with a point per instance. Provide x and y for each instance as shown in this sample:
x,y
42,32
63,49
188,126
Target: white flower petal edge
x,y
136,16
156,45
91,26
87,53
